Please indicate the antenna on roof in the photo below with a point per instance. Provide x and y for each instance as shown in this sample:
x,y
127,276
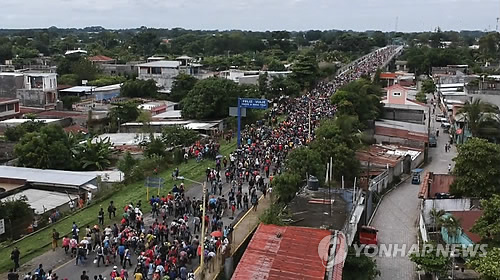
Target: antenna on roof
x,y
396,25
496,29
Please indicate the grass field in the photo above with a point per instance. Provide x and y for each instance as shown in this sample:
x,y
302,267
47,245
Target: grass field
x,y
39,243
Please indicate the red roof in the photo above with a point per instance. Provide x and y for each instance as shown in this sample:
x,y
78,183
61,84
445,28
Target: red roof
x,y
62,114
76,129
100,58
8,100
401,133
467,220
388,75
286,252
28,110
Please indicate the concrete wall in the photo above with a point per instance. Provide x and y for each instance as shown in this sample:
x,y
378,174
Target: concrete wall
x,y
462,204
9,85
404,115
381,139
165,79
31,98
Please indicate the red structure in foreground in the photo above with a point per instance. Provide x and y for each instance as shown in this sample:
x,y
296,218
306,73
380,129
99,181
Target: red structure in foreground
x,y
283,252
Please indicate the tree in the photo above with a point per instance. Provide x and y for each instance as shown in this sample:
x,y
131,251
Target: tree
x,y
477,169
94,155
452,226
421,97
476,114
17,214
359,98
68,101
286,185
178,135
182,84
436,216
47,149
359,267
281,86
489,46
488,225
210,99
126,164
431,261
124,112
305,70
304,161
139,88
487,265
155,147
145,118
428,86
263,84
15,133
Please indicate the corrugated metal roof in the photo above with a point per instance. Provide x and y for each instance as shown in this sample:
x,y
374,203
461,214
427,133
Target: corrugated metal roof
x,y
46,176
292,255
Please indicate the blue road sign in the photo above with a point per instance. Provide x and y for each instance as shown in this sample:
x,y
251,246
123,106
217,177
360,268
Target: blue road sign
x,y
253,103
154,182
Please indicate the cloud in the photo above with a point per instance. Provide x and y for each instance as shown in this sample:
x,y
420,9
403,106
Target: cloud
x,y
254,14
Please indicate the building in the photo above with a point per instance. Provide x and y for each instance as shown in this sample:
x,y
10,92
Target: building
x,y
157,107
163,72
32,89
250,77
107,93
9,108
84,92
401,78
287,252
101,59
126,141
398,107
403,133
15,122
207,127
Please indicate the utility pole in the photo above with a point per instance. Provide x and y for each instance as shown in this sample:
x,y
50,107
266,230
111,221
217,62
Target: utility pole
x,y
202,255
309,101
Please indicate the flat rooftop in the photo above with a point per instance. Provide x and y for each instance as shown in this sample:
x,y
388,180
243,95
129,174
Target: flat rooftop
x,y
312,209
41,200
47,177
129,139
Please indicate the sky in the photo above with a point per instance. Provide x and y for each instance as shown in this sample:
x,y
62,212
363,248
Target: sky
x,y
261,15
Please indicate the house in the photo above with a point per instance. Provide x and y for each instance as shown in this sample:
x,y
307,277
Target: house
x,y
32,89
163,72
435,193
398,107
157,107
107,93
403,133
250,77
9,108
269,254
101,59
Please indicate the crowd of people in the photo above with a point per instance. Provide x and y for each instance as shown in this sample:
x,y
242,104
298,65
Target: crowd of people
x,y
169,246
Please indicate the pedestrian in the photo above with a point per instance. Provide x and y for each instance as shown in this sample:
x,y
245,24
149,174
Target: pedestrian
x,y
100,255
55,238
14,256
65,244
12,275
84,276
111,209
437,132
80,254
100,217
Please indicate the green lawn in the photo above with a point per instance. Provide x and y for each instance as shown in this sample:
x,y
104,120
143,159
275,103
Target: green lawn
x,y
38,243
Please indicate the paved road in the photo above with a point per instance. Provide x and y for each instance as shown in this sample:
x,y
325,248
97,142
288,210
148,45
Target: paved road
x,y
65,266
397,215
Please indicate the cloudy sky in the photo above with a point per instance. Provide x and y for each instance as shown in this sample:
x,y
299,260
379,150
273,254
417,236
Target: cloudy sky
x,y
411,15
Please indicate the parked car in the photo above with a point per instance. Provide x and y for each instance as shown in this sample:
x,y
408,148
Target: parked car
x,y
432,141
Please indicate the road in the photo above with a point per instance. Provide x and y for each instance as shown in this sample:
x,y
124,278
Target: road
x,y
65,266
397,216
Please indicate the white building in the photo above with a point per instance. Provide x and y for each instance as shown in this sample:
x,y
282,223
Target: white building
x,y
32,89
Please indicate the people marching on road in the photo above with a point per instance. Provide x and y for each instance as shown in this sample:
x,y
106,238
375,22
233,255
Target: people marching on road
x,y
169,243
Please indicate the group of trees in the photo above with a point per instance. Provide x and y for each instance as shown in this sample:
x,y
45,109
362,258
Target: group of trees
x,y
52,148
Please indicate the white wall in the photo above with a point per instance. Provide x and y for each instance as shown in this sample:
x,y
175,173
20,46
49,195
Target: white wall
x,y
463,204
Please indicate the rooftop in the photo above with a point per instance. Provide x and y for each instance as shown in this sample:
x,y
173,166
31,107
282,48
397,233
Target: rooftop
x,y
405,130
79,89
286,252
439,183
127,139
41,200
383,155
171,114
108,88
467,220
162,64
8,100
312,208
100,58
47,176
20,121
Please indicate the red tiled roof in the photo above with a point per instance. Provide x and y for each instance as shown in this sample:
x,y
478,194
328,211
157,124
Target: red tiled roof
x,y
396,86
76,129
401,133
388,75
467,220
28,110
293,255
100,58
62,114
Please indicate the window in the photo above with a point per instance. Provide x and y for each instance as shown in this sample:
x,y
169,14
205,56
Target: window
x,y
10,107
396,94
3,108
156,70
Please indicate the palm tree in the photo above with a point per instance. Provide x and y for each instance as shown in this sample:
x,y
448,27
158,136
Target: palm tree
x,y
436,216
452,226
477,113
94,155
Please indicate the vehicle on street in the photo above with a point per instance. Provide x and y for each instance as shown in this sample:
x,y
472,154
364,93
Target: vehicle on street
x,y
415,177
432,141
368,236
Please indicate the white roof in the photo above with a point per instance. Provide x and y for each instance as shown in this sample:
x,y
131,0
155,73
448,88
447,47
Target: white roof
x,y
15,74
179,122
47,176
184,57
79,89
450,85
20,121
161,64
172,114
42,201
75,51
129,139
109,88
33,74
200,125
